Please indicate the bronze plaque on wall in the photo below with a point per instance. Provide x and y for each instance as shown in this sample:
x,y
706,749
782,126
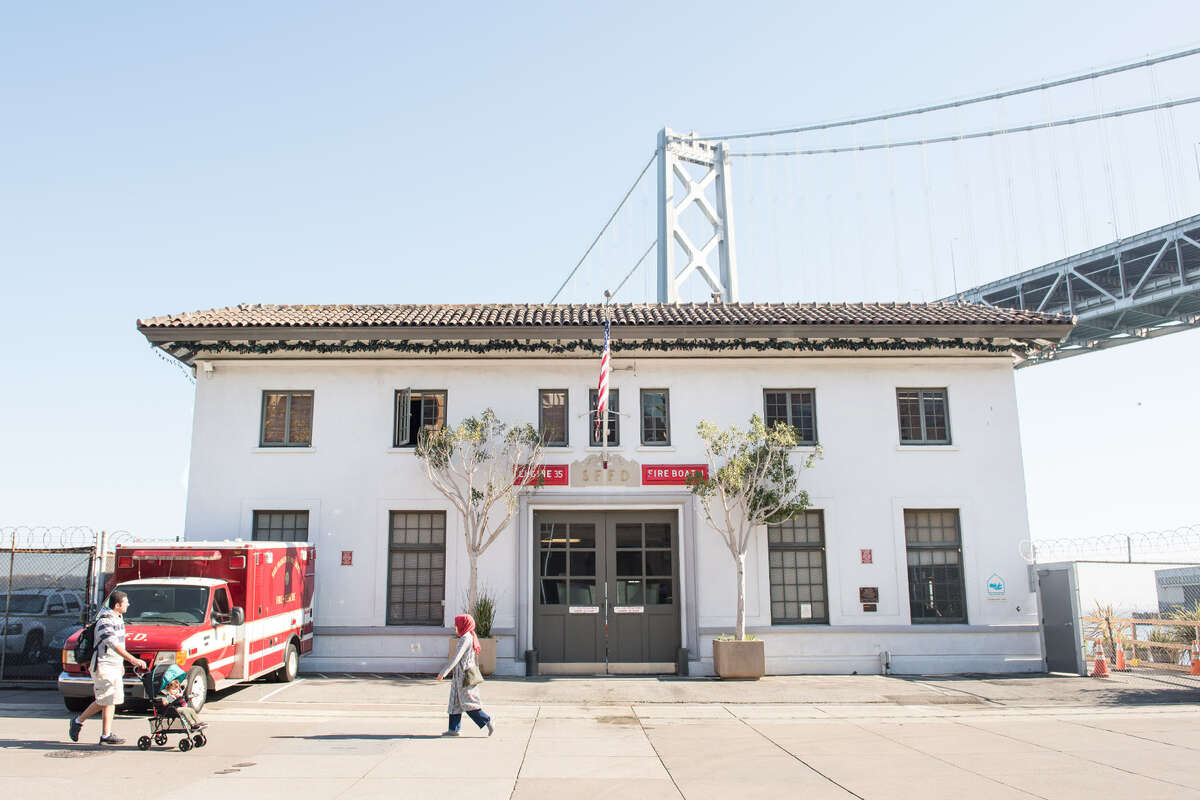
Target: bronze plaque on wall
x,y
868,594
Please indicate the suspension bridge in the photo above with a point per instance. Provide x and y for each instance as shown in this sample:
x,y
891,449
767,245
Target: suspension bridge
x,y
903,205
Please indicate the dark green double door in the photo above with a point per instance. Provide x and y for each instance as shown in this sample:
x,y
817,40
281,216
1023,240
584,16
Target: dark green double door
x,y
606,592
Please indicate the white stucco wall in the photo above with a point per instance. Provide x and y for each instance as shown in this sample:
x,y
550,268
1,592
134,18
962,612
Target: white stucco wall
x,y
351,478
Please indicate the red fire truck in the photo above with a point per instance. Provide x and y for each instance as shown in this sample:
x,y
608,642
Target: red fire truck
x,y
226,612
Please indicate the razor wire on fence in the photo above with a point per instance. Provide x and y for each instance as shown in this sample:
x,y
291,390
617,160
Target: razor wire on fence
x,y
1180,545
51,578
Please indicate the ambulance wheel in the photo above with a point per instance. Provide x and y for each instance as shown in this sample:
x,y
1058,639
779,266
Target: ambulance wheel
x,y
160,739
196,687
185,744
199,740
291,665
77,704
144,743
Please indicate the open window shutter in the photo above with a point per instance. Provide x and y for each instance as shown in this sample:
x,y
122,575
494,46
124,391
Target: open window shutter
x,y
403,415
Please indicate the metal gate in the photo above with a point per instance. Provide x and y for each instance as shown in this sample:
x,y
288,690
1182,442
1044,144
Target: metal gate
x,y
49,584
1061,636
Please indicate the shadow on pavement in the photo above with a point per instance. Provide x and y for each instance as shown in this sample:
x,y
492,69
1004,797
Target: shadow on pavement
x,y
382,737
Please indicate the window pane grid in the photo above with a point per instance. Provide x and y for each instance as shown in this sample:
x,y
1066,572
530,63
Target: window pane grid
x,y
286,419
416,410
614,419
553,416
416,567
655,417
796,560
795,407
935,577
280,526
923,416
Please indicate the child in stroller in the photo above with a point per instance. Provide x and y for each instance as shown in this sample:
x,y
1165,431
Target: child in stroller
x,y
169,710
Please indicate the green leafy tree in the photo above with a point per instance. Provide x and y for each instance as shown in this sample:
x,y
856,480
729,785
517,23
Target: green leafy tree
x,y
482,466
752,481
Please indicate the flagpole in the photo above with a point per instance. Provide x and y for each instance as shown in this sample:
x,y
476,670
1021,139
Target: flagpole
x,y
604,420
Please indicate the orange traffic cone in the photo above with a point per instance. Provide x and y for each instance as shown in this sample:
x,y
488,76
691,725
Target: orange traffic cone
x,y
1195,670
1121,660
1100,665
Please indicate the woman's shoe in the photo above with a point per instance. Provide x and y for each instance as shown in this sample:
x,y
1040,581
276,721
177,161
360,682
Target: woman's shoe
x,y
491,727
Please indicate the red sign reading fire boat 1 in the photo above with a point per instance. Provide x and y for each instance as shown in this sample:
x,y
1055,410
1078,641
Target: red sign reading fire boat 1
x,y
551,474
670,474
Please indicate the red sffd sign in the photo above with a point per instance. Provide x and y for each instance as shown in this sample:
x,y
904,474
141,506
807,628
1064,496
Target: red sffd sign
x,y
670,474
552,475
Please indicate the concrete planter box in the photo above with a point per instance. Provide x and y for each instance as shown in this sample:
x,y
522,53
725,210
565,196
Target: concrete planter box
x,y
740,659
487,654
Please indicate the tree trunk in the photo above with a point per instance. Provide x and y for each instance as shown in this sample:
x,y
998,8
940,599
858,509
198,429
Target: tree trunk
x,y
739,631
472,580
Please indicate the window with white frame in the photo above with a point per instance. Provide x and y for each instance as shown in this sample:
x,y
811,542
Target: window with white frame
x,y
933,539
924,416
552,417
796,556
795,407
416,577
417,409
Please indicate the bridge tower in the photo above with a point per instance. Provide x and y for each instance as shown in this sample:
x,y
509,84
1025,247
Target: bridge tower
x,y
674,151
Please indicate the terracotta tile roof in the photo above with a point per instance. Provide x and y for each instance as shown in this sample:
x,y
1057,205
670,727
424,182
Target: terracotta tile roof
x,y
501,315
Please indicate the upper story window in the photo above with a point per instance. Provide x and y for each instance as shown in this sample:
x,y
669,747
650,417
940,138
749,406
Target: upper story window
x,y
656,418
614,418
552,417
795,407
417,409
286,419
924,416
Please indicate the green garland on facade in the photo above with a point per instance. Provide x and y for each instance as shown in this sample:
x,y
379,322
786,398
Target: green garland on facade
x,y
436,347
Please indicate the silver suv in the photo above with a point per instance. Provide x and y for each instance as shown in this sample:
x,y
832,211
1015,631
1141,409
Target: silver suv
x,y
33,617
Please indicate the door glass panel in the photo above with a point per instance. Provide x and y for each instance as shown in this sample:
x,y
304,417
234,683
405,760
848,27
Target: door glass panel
x,y
629,593
583,562
629,563
658,562
583,592
554,564
658,536
659,592
583,536
629,536
554,592
553,536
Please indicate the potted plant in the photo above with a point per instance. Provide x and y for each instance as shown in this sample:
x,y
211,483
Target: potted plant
x,y
484,612
751,482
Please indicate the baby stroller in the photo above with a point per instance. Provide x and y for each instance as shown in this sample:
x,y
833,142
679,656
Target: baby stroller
x,y
164,719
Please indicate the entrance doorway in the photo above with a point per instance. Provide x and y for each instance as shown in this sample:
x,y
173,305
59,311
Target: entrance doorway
x,y
606,592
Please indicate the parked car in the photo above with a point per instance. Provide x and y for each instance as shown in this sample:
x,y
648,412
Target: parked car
x,y
33,618
54,649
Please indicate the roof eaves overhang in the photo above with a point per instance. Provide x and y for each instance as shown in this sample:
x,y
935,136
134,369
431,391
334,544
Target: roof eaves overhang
x,y
1053,331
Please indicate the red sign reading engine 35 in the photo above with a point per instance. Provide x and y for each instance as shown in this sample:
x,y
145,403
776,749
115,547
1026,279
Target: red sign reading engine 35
x,y
670,474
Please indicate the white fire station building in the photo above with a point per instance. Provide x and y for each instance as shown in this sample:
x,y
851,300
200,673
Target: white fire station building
x,y
909,558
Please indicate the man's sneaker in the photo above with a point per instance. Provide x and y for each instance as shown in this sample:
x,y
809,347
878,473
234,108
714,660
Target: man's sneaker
x,y
450,733
491,727
112,738
75,727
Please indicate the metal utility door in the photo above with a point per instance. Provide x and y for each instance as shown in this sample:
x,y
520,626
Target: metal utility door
x,y
1060,625
606,592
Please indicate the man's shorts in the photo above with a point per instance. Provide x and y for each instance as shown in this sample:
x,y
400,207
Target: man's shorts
x,y
108,684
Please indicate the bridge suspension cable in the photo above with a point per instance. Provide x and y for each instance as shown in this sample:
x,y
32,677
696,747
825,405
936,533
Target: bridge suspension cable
x,y
1036,126
611,217
1147,62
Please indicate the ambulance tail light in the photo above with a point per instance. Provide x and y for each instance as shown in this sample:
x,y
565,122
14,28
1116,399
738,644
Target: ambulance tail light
x,y
125,562
237,562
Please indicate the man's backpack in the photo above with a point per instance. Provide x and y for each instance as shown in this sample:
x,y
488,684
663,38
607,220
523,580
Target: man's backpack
x,y
85,645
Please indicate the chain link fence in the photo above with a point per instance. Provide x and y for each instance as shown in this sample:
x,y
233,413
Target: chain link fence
x,y
50,584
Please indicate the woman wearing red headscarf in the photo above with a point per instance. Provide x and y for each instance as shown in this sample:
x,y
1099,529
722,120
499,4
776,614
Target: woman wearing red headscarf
x,y
464,698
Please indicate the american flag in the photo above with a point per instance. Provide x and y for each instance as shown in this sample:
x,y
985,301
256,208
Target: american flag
x,y
602,388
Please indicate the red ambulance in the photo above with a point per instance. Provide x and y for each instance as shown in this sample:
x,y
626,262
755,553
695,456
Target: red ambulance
x,y
226,612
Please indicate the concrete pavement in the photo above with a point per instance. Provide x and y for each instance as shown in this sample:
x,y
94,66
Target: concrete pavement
x,y
812,737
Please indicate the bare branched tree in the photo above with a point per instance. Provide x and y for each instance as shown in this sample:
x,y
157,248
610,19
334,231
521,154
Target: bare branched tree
x,y
752,482
482,466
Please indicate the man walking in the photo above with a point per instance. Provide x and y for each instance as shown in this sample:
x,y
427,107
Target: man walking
x,y
108,669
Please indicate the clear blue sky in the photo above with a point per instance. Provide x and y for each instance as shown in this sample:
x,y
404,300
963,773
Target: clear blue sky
x,y
169,157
